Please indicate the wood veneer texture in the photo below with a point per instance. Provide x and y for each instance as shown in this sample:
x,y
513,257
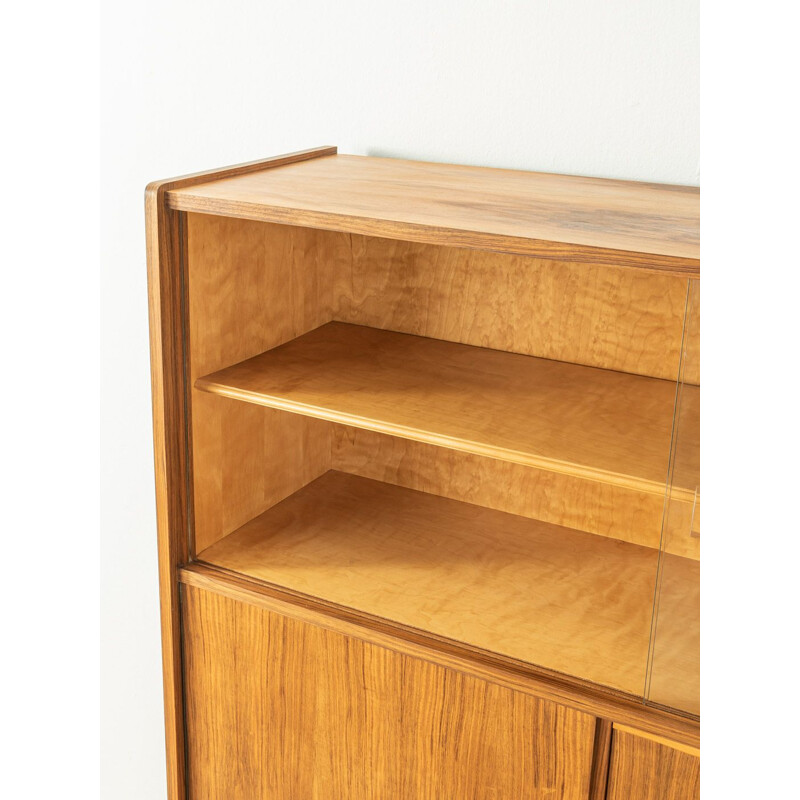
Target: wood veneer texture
x,y
251,287
600,316
567,690
646,226
164,245
280,708
254,285
590,423
564,600
592,506
646,769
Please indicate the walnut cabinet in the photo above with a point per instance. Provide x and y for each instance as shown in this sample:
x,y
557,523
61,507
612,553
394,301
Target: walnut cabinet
x,y
427,470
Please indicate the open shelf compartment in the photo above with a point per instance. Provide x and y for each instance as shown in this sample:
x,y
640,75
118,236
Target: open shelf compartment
x,y
581,421
472,444
560,599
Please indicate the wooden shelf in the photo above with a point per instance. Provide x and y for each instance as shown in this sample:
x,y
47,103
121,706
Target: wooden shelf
x,y
649,226
594,424
549,596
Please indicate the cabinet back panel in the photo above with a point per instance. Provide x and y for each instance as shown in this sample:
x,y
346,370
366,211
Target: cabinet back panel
x,y
599,316
263,284
601,508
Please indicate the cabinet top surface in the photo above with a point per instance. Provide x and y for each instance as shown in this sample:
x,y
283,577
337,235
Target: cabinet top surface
x,y
646,225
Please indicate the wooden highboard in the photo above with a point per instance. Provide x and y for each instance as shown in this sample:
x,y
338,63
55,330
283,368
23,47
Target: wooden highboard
x,y
427,472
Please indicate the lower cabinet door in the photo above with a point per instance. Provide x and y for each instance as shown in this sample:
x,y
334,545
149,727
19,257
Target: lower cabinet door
x,y
645,768
279,708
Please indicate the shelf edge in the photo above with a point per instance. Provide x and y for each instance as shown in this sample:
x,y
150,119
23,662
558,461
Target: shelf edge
x,y
675,266
678,494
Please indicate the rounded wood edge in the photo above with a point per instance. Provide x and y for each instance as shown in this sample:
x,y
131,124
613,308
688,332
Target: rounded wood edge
x,y
674,266
219,383
680,746
158,187
571,692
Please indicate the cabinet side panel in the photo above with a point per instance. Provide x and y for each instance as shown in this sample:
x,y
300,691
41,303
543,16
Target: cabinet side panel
x,y
247,459
644,769
281,708
164,249
601,316
251,286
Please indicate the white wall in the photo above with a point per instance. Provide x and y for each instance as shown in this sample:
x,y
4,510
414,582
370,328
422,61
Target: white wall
x,y
594,87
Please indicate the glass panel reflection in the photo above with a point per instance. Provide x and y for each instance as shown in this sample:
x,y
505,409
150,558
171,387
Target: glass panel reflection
x,y
673,677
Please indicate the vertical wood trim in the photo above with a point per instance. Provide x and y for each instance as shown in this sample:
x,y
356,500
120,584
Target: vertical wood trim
x,y
601,759
165,234
186,380
169,446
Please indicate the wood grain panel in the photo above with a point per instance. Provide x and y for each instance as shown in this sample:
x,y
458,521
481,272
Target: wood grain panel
x,y
604,317
561,599
591,506
504,671
279,708
622,223
247,459
595,424
252,286
645,769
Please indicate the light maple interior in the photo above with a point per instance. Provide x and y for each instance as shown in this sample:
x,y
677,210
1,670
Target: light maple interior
x,y
254,286
564,600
